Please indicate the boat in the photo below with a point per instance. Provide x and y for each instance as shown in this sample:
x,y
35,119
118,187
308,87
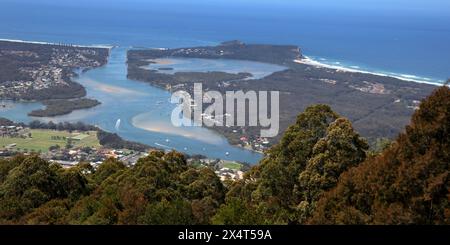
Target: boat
x,y
117,124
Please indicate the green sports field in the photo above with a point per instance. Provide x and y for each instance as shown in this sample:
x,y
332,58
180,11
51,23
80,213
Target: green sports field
x,y
232,165
42,139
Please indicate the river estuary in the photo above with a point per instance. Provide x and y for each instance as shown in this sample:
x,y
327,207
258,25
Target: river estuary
x,y
140,112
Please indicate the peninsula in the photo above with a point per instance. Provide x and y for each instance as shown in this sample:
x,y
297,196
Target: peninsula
x,y
42,71
378,106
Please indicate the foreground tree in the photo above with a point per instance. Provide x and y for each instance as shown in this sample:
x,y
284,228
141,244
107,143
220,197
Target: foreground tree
x,y
31,182
407,184
334,154
319,173
308,161
159,189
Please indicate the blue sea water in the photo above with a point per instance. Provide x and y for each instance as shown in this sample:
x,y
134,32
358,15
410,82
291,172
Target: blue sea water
x,y
404,37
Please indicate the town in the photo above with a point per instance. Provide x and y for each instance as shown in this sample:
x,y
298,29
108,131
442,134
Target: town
x,y
37,72
69,148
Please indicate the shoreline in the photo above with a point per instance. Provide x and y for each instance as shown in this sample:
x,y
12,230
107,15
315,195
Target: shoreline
x,y
139,121
306,60
50,43
71,79
339,68
373,118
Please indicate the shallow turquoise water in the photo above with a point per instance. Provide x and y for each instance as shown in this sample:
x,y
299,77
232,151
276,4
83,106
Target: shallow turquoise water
x,y
257,69
144,111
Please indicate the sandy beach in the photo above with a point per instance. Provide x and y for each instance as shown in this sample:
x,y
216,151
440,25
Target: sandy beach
x,y
404,77
142,121
115,90
163,61
48,43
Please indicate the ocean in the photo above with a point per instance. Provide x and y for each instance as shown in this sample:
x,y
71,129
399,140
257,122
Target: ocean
x,y
383,37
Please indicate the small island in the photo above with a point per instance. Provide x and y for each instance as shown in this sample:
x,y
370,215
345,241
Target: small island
x,y
165,69
61,107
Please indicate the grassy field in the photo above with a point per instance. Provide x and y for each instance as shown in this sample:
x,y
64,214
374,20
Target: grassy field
x,y
232,165
42,139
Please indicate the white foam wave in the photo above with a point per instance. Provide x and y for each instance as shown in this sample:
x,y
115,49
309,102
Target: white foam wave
x,y
410,76
405,77
165,146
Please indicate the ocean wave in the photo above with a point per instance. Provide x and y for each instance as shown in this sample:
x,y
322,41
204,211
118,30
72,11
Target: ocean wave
x,y
165,146
405,77
408,76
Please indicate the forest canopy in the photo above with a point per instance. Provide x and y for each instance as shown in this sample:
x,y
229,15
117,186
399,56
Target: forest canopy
x,y
321,172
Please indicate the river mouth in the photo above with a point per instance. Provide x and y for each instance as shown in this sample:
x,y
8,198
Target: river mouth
x,y
144,112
